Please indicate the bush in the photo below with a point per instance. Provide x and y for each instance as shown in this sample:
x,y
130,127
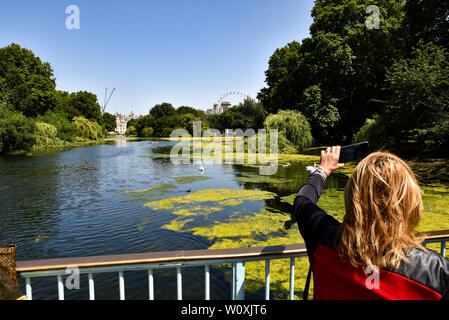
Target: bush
x,y
16,131
131,131
166,132
47,136
87,130
65,128
293,128
147,132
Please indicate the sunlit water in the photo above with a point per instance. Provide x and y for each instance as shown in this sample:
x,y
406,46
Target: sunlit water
x,y
71,204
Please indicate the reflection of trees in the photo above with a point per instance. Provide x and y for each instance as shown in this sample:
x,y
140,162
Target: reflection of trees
x,y
297,173
29,208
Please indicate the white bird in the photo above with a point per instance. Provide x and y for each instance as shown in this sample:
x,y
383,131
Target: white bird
x,y
287,164
201,168
312,169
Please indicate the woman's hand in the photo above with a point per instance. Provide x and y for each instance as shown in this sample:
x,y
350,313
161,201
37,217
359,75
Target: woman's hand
x,y
329,160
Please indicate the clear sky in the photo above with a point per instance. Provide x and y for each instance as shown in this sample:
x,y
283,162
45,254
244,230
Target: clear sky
x,y
186,52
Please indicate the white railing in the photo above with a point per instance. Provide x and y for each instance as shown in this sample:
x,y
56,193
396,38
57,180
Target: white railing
x,y
164,260
180,260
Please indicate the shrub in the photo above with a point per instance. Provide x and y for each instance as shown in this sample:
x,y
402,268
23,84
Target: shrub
x,y
131,131
47,136
87,130
147,132
16,131
65,128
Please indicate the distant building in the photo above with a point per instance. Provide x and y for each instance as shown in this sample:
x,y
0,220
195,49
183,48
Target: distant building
x,y
121,122
219,108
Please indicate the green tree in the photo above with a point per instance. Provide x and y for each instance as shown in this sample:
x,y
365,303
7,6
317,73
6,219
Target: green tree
x,y
417,110
427,21
320,111
46,136
65,127
163,109
16,131
108,121
293,130
27,84
87,130
131,131
344,58
147,132
85,103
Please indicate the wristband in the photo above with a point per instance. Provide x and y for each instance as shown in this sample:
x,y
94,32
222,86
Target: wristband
x,y
321,172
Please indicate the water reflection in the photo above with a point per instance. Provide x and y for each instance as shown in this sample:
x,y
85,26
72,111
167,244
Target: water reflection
x,y
72,203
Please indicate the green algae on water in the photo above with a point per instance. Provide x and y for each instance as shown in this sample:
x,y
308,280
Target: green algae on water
x,y
224,197
190,179
150,193
254,177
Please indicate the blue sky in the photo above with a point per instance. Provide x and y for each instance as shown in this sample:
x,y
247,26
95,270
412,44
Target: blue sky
x,y
183,52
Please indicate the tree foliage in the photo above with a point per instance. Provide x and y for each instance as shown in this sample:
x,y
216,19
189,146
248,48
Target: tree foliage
x,y
27,84
16,131
344,59
417,109
293,130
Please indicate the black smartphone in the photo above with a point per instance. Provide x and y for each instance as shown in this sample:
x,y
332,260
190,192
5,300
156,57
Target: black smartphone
x,y
354,152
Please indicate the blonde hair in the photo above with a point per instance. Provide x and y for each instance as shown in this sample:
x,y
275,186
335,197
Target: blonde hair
x,y
383,206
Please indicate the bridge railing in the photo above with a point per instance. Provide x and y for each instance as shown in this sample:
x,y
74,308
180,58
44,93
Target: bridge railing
x,y
179,260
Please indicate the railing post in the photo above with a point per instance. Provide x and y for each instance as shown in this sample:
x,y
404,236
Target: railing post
x,y
179,283
121,280
60,288
239,281
292,278
267,279
29,290
91,287
206,282
150,284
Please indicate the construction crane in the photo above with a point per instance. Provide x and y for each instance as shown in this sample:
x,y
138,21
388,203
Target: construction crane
x,y
106,99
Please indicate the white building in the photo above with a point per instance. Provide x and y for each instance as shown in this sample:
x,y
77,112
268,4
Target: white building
x,y
121,122
219,108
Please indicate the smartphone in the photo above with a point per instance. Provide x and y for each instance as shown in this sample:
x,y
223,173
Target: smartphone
x,y
354,152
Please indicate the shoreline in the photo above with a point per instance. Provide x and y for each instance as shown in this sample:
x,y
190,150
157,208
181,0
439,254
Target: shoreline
x,y
429,170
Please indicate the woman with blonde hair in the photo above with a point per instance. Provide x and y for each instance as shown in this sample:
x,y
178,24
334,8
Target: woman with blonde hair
x,y
373,253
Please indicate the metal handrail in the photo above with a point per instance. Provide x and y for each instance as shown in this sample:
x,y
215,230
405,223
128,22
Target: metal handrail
x,y
178,259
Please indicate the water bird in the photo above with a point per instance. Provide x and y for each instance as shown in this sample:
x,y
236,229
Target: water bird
x,y
190,190
287,165
201,168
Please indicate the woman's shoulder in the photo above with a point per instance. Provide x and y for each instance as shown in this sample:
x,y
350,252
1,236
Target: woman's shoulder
x,y
426,267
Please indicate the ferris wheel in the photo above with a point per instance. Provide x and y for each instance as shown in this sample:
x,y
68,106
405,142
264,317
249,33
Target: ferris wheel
x,y
234,93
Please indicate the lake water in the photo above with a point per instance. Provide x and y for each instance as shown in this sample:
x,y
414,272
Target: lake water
x,y
126,197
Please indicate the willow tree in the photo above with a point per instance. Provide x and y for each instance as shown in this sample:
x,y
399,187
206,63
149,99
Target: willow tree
x,y
293,130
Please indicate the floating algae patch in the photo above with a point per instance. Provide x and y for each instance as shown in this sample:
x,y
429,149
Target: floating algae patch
x,y
253,177
190,179
176,224
264,228
196,210
150,193
223,197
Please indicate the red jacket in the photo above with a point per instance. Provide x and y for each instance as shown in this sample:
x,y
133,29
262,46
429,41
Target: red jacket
x,y
425,277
